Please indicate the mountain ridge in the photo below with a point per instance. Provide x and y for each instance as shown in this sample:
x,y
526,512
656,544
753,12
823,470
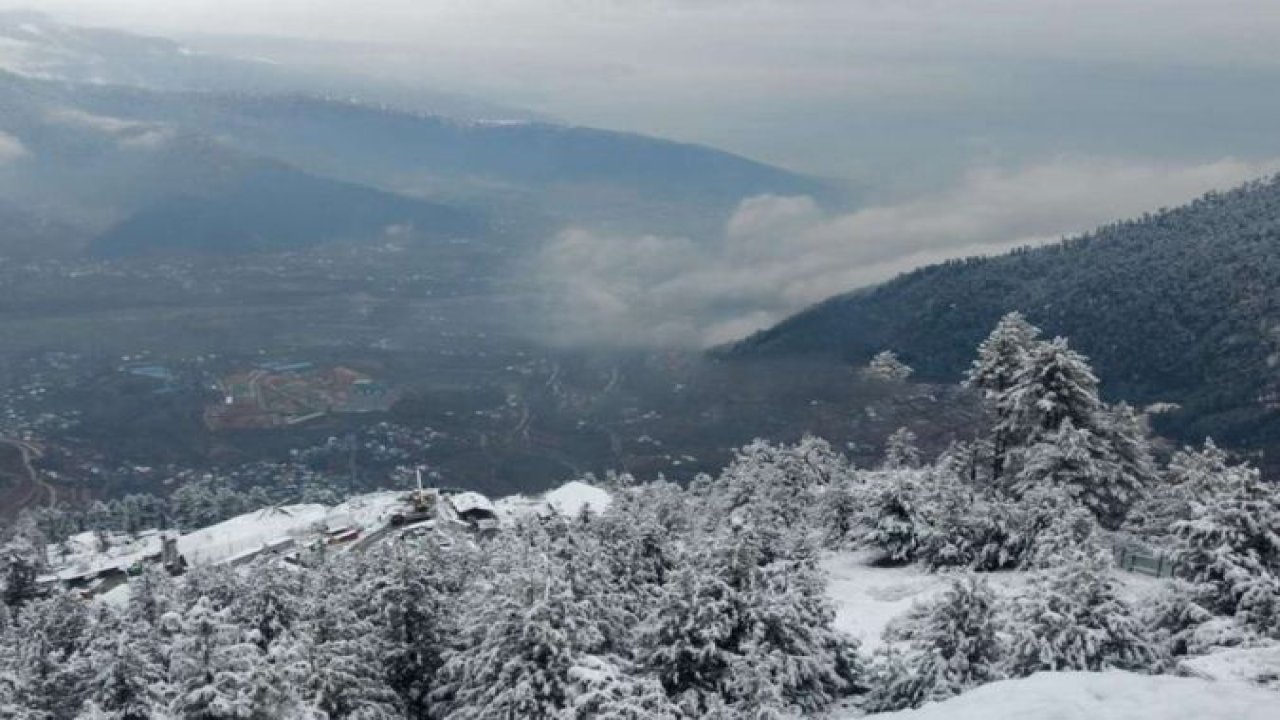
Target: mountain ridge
x,y
1175,306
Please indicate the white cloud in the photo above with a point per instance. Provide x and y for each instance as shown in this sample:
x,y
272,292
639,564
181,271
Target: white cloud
x,y
11,148
781,254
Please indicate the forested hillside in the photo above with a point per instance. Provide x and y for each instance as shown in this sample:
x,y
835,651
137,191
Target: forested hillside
x,y
1176,306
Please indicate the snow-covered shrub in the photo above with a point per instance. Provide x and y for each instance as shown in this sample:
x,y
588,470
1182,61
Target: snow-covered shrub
x,y
1171,618
895,683
1054,526
946,647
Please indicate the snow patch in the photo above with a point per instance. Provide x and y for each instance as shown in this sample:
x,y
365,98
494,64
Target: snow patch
x,y
1256,666
1101,696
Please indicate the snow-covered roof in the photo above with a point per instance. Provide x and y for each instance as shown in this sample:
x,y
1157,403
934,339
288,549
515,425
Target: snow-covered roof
x,y
468,501
570,498
227,539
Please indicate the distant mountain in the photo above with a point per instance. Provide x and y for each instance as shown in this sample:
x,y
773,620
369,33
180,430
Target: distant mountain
x,y
1182,305
577,174
139,91
121,187
269,207
90,156
35,45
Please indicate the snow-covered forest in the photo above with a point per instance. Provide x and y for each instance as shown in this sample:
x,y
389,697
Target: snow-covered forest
x,y
712,600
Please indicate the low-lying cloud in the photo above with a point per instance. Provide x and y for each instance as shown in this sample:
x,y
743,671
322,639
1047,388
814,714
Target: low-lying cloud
x,y
778,255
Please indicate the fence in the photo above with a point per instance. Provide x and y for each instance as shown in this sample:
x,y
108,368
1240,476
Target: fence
x,y
1137,559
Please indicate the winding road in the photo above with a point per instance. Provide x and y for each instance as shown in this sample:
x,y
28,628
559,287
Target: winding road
x,y
28,492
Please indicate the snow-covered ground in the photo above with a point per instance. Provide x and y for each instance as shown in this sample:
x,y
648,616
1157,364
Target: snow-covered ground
x,y
868,598
1103,696
1255,666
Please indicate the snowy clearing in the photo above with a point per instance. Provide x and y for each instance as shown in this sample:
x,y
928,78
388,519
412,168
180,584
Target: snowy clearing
x,y
868,598
1102,696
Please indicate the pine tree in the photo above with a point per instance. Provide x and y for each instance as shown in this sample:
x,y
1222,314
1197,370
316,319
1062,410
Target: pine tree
x,y
1192,476
343,673
687,642
411,604
1230,548
951,645
1059,432
1075,618
1002,359
129,681
608,689
214,668
893,520
900,451
524,632
887,367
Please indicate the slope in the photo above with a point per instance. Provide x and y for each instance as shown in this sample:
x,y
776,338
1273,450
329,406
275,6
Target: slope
x,y
1179,306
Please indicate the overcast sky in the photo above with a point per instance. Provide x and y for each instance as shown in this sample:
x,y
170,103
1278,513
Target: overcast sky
x,y
893,91
972,125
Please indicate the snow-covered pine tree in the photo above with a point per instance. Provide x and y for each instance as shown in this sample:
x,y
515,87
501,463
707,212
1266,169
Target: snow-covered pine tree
x,y
900,451
1055,385
795,655
409,600
343,676
1002,355
1192,475
215,668
1001,360
891,517
49,660
837,514
687,640
887,367
1054,525
129,681
610,689
23,556
768,484
1060,432
948,646
1074,617
522,632
1230,549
